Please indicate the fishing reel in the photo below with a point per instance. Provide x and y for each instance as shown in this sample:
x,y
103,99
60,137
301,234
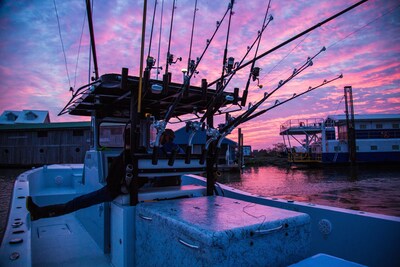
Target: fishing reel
x,y
231,65
255,73
150,62
193,126
171,59
192,67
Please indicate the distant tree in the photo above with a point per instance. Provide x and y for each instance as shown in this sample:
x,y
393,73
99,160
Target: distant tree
x,y
279,149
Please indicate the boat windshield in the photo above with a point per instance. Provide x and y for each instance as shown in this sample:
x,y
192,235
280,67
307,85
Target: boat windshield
x,y
111,134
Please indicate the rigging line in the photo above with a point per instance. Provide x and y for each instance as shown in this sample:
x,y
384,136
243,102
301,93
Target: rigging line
x,y
286,55
62,43
285,71
370,22
79,49
152,27
339,104
191,37
159,39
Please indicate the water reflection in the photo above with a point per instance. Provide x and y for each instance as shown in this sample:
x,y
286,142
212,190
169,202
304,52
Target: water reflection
x,y
367,188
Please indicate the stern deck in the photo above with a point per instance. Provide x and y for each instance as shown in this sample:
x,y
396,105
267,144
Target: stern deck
x,y
62,241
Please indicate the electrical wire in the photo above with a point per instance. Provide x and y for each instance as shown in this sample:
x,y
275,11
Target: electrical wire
x,y
79,48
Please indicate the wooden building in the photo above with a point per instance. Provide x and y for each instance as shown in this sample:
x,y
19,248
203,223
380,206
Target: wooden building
x,y
34,144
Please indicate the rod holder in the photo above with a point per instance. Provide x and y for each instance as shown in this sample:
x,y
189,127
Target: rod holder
x,y
172,157
203,156
188,154
204,86
124,79
244,98
154,158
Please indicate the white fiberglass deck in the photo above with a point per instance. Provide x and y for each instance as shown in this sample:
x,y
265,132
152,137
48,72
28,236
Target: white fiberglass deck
x,y
63,242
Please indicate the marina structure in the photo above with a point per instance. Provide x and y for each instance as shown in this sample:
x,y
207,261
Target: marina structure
x,y
377,139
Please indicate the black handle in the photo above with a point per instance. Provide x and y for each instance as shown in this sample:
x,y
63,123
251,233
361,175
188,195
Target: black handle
x,y
203,156
188,154
172,157
154,158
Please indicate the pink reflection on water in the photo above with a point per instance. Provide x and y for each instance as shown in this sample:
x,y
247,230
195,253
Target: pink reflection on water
x,y
371,189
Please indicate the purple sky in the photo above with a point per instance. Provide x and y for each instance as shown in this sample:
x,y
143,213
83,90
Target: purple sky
x,y
363,44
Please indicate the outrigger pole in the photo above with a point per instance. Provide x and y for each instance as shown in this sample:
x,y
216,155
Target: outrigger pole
x,y
93,44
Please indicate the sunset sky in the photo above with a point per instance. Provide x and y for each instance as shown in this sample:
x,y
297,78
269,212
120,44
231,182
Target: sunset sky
x,y
363,45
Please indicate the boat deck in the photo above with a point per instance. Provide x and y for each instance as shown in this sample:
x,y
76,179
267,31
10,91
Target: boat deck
x,y
66,238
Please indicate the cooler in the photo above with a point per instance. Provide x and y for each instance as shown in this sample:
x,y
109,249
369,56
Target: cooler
x,y
219,231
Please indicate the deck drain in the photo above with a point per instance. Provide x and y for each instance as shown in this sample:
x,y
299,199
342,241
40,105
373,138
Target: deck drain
x,y
16,224
18,232
14,256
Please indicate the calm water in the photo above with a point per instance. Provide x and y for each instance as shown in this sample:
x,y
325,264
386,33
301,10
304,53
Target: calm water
x,y
367,188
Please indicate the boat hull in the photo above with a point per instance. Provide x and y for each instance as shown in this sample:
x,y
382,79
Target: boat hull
x,y
361,157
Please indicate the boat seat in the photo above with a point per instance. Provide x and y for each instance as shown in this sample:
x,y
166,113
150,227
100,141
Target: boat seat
x,y
322,259
163,193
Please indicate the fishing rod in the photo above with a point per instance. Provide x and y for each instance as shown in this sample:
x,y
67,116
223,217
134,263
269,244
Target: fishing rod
x,y
278,103
293,38
191,63
160,125
93,44
159,40
224,60
220,137
192,126
211,107
150,62
254,72
170,57
296,72
231,123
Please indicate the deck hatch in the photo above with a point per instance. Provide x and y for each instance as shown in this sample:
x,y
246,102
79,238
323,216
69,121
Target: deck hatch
x,y
53,230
